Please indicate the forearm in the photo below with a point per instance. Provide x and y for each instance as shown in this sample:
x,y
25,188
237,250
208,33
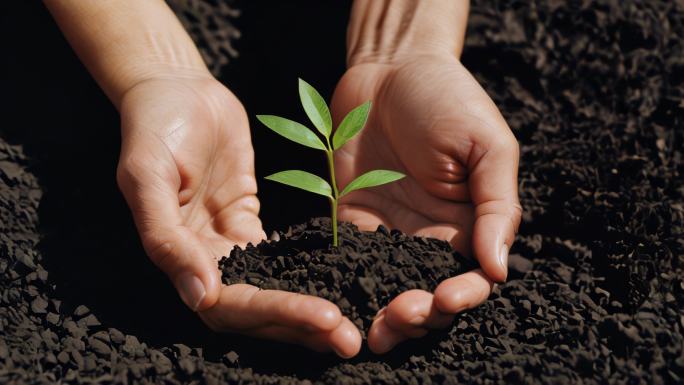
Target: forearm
x,y
389,30
125,42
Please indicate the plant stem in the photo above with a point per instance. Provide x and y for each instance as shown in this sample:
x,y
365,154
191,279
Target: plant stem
x,y
336,194
333,203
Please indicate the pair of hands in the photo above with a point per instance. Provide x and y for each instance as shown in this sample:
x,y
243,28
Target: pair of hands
x,y
187,172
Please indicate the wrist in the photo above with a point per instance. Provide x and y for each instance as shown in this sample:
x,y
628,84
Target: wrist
x,y
166,53
123,43
390,32
396,59
135,75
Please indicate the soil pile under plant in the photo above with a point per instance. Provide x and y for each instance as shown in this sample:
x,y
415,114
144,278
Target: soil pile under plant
x,y
361,275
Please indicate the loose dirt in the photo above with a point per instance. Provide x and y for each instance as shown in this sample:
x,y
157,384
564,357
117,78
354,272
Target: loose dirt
x,y
594,92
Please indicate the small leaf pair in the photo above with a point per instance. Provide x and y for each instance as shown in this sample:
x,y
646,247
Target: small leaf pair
x,y
319,114
315,184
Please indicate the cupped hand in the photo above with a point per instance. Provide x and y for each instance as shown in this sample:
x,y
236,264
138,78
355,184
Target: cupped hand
x,y
187,172
431,120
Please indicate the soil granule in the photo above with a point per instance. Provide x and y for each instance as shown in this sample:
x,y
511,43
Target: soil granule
x,y
360,276
594,92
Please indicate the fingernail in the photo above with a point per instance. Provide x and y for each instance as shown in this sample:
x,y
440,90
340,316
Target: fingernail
x,y
191,290
503,259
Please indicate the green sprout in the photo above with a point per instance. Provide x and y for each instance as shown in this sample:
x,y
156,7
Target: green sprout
x,y
319,114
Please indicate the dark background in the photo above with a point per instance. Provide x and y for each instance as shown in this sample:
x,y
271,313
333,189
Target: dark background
x,y
593,91
281,42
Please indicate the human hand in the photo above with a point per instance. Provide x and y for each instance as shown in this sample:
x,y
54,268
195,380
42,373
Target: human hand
x,y
187,172
431,120
187,169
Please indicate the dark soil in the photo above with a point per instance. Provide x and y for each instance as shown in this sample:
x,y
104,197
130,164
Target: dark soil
x,y
360,276
594,91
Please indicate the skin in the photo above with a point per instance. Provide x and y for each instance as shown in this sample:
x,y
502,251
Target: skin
x,y
187,172
187,166
432,121
187,169
460,186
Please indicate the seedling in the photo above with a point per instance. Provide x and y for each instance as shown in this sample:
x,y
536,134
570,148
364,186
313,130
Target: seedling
x,y
319,114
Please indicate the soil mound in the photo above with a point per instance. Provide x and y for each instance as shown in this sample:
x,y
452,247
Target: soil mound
x,y
361,276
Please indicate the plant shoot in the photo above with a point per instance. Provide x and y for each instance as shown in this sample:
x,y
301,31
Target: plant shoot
x,y
319,114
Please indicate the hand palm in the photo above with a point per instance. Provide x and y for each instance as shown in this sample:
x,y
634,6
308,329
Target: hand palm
x,y
197,135
187,172
218,202
431,120
412,129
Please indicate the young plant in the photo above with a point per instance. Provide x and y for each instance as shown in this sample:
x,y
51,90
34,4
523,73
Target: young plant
x,y
319,114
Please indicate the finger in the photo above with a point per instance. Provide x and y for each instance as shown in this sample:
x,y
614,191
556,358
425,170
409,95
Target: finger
x,y
315,341
239,220
462,292
241,307
409,315
494,189
413,311
345,340
452,191
382,338
149,182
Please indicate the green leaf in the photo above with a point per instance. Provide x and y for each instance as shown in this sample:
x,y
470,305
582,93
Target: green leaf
x,y
315,108
351,124
292,130
303,180
372,179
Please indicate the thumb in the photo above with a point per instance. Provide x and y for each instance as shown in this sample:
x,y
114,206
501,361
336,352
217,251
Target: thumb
x,y
179,253
493,184
150,184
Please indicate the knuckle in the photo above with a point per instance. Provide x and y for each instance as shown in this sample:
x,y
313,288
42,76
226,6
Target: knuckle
x,y
397,319
507,143
122,176
158,249
160,243
127,172
516,216
448,300
249,203
405,308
